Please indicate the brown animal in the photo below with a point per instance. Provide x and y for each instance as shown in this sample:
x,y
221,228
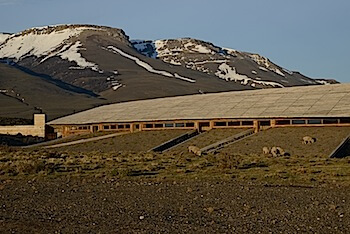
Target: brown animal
x,y
277,151
266,150
274,151
308,140
195,150
280,151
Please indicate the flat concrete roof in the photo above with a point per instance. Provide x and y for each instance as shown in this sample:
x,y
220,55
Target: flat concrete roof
x,y
294,102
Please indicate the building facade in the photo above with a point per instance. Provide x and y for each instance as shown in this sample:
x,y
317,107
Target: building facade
x,y
326,105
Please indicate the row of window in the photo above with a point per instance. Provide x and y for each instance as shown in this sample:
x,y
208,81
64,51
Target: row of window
x,y
233,123
80,128
168,125
220,124
312,121
283,122
116,126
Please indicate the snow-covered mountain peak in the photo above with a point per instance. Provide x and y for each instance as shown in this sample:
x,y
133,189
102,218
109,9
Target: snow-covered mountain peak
x,y
228,64
50,41
61,27
3,37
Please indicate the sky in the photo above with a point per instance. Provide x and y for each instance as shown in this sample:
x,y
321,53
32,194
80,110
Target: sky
x,y
309,36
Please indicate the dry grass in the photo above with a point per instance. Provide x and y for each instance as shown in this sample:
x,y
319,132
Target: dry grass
x,y
311,170
290,139
126,157
135,142
208,138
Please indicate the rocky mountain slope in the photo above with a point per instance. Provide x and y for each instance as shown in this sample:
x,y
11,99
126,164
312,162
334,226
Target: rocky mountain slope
x,y
102,62
231,65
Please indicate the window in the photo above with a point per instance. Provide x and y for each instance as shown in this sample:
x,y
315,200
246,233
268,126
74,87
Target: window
x,y
283,122
330,121
344,120
179,125
190,125
314,121
148,125
169,125
265,123
158,125
247,123
220,124
113,127
120,126
127,126
204,124
298,121
83,128
234,123
105,127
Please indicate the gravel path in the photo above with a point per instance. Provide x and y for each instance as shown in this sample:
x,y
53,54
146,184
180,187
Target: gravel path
x,y
66,205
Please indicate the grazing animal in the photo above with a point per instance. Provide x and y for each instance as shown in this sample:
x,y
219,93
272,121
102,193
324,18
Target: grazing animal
x,y
195,150
277,151
266,150
274,151
308,140
280,151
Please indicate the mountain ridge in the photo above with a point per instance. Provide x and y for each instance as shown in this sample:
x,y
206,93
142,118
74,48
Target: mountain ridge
x,y
105,63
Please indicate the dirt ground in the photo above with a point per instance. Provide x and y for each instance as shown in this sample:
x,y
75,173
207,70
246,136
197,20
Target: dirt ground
x,y
114,186
101,205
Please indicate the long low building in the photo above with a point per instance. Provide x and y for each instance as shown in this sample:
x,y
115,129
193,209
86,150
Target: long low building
x,y
297,106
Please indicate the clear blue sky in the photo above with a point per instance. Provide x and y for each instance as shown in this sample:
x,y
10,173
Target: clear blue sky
x,y
310,36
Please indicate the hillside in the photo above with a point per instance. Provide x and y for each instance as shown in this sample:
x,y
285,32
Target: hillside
x,y
101,62
22,94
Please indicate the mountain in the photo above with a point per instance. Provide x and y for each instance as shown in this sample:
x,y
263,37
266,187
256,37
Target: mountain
x,y
93,65
102,59
231,65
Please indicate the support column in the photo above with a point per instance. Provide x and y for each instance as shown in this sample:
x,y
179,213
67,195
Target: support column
x,y
273,123
256,126
196,126
211,125
133,127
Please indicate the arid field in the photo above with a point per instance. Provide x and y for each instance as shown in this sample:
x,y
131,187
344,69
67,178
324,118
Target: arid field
x,y
115,185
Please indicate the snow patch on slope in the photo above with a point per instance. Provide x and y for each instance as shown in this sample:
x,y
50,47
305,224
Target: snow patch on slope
x,y
73,55
230,51
323,82
46,45
3,37
147,66
230,74
147,48
202,49
114,83
265,63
